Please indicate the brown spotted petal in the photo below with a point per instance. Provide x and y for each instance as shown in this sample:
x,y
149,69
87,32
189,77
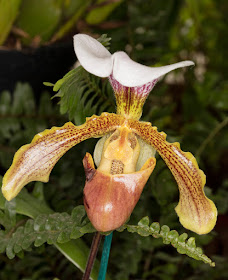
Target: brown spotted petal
x,y
34,162
196,212
110,199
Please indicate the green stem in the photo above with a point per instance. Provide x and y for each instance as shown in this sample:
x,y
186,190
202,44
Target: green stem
x,y
105,256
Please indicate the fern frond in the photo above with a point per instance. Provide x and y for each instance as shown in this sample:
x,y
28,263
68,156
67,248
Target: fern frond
x,y
51,229
105,40
82,95
180,242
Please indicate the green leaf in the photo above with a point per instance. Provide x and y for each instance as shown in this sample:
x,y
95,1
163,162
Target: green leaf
x,y
5,103
100,13
38,191
78,214
77,253
27,205
23,101
180,242
144,226
8,13
88,228
155,228
74,10
75,250
144,222
39,18
10,212
51,228
48,84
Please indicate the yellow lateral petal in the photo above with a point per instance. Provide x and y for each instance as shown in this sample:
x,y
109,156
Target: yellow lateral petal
x,y
196,212
34,162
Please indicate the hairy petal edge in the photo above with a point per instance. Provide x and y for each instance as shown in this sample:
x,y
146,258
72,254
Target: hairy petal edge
x,y
34,162
196,212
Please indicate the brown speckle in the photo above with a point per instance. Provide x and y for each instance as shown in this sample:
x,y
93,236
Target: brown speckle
x,y
117,167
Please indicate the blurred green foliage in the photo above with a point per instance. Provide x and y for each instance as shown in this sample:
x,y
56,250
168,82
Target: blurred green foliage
x,y
8,13
190,106
39,18
35,22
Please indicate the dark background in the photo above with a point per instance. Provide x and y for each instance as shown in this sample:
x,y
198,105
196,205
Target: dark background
x,y
189,105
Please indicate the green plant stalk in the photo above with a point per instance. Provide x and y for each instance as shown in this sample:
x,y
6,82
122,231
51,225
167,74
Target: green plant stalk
x,y
105,256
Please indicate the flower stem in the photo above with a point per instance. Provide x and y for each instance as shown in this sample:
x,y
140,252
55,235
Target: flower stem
x,y
93,252
105,256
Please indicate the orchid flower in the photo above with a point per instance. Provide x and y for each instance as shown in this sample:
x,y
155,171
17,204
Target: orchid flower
x,y
124,155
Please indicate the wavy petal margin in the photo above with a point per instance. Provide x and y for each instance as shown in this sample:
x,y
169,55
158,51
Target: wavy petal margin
x,y
196,212
34,162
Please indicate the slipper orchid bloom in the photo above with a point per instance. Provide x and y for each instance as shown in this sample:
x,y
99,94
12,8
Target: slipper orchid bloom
x,y
124,155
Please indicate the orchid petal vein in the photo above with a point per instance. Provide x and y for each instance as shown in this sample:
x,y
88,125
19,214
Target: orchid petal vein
x,y
35,161
196,212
